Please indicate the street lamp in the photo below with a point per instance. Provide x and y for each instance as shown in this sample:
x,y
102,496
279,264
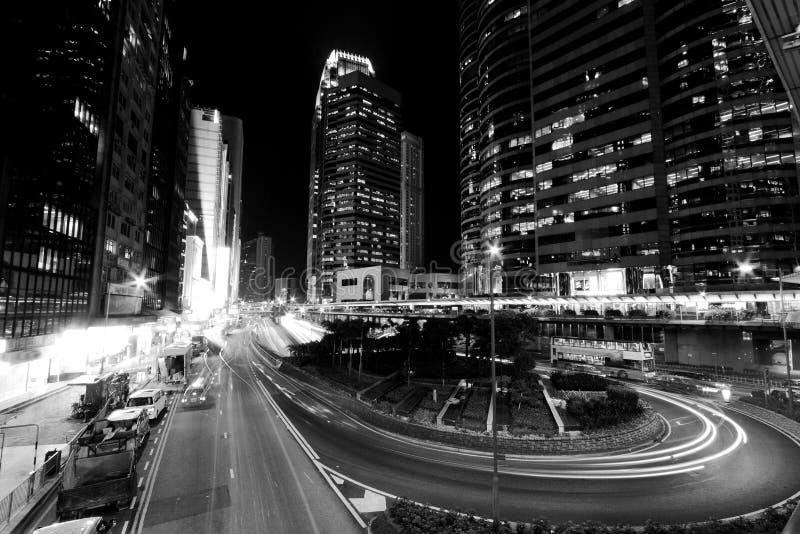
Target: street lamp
x,y
494,250
747,268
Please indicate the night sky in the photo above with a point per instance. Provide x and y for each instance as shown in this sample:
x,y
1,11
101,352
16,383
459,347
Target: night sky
x,y
262,62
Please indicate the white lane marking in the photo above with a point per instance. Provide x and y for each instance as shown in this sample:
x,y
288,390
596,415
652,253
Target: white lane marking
x,y
141,512
231,470
220,412
308,477
146,465
124,527
155,440
141,481
159,431
224,435
151,452
133,502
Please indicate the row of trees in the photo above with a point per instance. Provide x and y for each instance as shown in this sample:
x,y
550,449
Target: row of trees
x,y
424,347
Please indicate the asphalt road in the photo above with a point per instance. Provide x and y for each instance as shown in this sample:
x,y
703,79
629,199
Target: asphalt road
x,y
230,466
714,463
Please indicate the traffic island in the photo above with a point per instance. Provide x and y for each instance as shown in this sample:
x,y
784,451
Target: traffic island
x,y
637,433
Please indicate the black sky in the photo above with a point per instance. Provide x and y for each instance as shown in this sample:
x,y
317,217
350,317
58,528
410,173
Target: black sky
x,y
261,61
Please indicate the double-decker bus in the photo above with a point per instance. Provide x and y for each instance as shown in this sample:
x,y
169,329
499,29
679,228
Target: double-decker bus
x,y
620,359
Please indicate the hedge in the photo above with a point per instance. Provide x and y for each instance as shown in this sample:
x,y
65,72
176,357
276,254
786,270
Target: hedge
x,y
620,405
414,518
578,382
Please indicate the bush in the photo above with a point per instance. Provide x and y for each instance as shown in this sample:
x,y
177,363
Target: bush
x,y
568,313
590,313
613,312
411,517
578,382
637,313
664,314
620,406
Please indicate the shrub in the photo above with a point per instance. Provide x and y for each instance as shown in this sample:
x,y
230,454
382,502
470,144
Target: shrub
x,y
569,313
620,406
664,314
590,313
637,313
578,382
613,312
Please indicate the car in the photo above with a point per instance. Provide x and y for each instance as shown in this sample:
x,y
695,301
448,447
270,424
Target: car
x,y
584,368
132,420
196,395
86,525
152,400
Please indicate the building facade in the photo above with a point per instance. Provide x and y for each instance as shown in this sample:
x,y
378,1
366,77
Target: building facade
x,y
257,269
286,289
355,191
213,190
338,63
633,147
412,201
376,283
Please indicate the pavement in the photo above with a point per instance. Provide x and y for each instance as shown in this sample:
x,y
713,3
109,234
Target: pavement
x,y
50,410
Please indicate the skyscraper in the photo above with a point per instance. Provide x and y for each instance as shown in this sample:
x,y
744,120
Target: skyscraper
x,y
165,234
338,64
412,201
354,188
257,269
60,69
213,190
662,146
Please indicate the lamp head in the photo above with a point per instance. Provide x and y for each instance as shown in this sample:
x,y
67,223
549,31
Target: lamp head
x,y
494,250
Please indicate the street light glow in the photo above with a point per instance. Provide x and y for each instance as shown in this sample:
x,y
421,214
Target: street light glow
x,y
746,268
494,250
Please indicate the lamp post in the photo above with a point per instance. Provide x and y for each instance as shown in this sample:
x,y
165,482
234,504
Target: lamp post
x,y
747,268
494,250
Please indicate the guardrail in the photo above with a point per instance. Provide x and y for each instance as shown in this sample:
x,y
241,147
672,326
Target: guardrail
x,y
734,379
26,490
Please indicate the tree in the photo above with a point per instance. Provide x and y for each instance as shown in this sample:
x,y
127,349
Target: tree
x,y
437,338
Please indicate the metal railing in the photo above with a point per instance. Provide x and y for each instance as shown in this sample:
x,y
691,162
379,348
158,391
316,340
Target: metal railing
x,y
25,492
730,378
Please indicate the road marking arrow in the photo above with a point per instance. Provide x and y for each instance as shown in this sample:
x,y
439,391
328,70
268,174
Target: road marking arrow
x,y
372,502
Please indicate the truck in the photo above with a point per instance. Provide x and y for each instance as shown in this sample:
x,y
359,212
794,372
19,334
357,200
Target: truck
x,y
174,361
101,468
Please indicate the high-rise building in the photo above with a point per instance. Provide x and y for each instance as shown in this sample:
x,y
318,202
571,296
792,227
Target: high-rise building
x,y
285,289
120,258
233,137
257,269
354,190
495,126
661,138
165,233
58,75
339,63
213,190
412,201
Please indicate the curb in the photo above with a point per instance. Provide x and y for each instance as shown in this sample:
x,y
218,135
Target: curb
x,y
33,400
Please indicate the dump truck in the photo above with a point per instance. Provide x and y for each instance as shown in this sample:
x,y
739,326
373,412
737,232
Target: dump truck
x,y
101,468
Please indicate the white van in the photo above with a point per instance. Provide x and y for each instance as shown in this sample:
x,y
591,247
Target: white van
x,y
87,525
131,420
152,400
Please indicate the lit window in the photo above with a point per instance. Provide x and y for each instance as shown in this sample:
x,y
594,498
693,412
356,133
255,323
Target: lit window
x,y
683,63
699,99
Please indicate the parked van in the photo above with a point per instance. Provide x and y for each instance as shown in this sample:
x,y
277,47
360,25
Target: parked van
x,y
152,400
87,525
